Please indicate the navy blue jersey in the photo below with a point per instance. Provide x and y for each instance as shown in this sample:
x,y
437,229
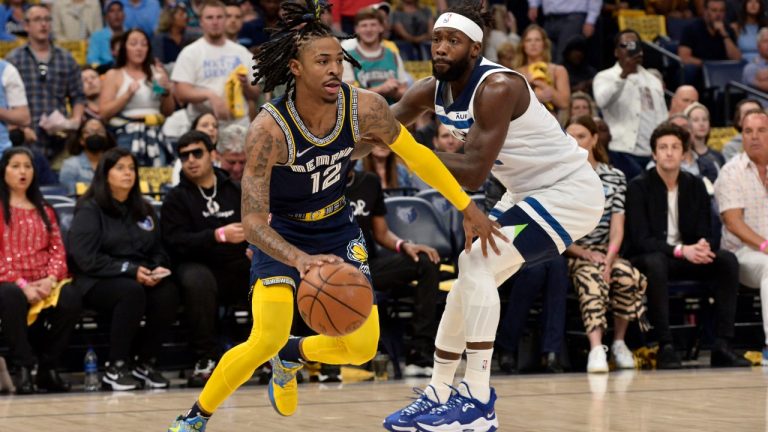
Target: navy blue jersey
x,y
310,185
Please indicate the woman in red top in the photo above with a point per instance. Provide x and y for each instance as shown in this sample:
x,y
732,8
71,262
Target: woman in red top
x,y
32,262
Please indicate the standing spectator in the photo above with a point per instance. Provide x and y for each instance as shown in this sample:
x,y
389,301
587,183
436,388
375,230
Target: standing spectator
x,y
142,14
742,196
392,272
231,150
756,71
52,80
684,96
172,35
14,111
204,68
549,80
698,115
751,19
202,231
76,19
135,95
707,38
601,277
12,14
92,91
253,32
99,47
33,268
234,22
343,11
121,269
669,236
580,72
86,146
734,146
670,8
381,70
632,102
412,29
564,19
503,30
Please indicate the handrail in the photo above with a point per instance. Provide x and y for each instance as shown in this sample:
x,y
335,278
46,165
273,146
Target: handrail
x,y
744,88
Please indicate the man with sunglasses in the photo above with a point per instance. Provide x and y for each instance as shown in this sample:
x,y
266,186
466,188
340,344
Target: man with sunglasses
x,y
203,234
52,80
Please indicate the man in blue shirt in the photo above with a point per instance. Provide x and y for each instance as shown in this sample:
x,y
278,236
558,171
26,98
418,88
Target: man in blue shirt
x,y
99,49
142,14
565,19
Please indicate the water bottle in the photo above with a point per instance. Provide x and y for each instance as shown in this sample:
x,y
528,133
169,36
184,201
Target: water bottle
x,y
91,363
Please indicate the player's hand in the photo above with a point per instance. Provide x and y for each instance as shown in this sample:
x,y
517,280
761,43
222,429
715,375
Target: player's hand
x,y
414,249
477,224
305,262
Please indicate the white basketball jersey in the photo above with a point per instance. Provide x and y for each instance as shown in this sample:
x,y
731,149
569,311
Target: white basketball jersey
x,y
537,153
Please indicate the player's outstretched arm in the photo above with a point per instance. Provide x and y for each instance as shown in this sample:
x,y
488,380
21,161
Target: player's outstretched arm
x,y
378,124
264,147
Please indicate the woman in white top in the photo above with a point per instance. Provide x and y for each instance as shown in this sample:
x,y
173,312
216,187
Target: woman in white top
x,y
135,97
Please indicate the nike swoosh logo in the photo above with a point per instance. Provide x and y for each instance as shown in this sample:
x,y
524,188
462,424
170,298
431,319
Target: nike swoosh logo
x,y
300,154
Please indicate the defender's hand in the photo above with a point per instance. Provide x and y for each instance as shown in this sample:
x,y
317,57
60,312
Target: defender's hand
x,y
477,224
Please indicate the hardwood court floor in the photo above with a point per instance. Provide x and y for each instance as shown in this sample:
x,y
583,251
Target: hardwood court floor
x,y
688,400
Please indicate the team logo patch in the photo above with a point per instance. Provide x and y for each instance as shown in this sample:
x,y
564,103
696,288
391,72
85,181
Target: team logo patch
x,y
357,252
147,224
407,214
441,204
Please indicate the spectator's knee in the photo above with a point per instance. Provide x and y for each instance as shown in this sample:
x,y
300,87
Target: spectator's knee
x,y
12,296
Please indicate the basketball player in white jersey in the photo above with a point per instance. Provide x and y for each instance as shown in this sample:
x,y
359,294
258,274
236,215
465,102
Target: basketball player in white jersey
x,y
553,198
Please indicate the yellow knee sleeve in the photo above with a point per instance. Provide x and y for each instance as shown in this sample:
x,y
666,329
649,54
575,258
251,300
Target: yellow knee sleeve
x,y
355,348
272,315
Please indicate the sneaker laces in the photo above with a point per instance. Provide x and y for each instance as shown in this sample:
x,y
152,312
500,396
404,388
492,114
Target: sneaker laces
x,y
283,372
456,400
420,404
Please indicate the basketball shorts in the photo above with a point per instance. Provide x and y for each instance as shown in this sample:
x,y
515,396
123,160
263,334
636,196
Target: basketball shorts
x,y
337,235
547,221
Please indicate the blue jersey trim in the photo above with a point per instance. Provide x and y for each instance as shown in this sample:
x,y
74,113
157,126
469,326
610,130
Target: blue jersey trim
x,y
458,124
536,205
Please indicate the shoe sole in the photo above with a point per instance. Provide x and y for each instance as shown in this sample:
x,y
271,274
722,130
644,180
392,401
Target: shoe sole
x,y
479,425
149,383
114,386
394,428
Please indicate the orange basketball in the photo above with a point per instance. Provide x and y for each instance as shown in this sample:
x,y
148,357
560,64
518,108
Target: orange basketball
x,y
335,299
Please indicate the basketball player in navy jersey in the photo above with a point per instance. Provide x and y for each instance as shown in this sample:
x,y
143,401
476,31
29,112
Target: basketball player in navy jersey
x,y
299,150
553,198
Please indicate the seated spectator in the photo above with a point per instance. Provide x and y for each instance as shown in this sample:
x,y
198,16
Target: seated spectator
x,y
381,70
412,29
576,63
698,115
751,19
231,151
142,14
202,232
701,167
12,19
550,279
756,71
121,270
86,146
99,45
135,96
632,102
253,32
733,147
391,173
43,172
76,19
707,38
668,235
33,269
92,91
209,125
393,272
444,141
506,54
549,80
741,196
172,35
581,104
503,31
684,96
14,109
601,277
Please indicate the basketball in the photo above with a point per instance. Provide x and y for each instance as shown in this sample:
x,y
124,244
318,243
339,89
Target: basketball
x,y
335,299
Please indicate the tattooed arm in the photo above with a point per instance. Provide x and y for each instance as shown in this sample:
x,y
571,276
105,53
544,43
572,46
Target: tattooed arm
x,y
264,147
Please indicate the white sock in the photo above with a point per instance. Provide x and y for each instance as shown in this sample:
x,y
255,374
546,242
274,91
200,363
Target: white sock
x,y
478,374
442,376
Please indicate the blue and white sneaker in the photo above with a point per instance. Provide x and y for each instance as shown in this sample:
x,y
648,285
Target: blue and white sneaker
x,y
764,360
461,414
195,424
402,421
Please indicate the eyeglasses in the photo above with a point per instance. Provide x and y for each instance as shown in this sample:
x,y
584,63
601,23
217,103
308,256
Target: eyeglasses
x,y
42,68
197,153
38,20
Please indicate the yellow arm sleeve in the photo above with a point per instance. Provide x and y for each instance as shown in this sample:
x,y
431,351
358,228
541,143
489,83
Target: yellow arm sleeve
x,y
428,167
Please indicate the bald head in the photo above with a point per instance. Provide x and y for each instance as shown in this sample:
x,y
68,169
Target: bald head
x,y
684,96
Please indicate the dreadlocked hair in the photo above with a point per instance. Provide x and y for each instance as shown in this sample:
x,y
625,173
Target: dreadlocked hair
x,y
300,24
473,10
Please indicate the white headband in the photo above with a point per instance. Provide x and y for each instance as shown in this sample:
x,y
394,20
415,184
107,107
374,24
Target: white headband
x,y
460,22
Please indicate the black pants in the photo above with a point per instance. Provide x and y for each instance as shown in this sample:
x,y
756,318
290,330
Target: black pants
x,y
127,301
659,268
393,273
50,333
203,289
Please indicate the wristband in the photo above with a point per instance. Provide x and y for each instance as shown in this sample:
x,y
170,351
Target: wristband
x,y
764,246
222,236
678,253
612,248
398,244
21,282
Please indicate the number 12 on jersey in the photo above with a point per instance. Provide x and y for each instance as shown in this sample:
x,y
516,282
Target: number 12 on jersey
x,y
330,176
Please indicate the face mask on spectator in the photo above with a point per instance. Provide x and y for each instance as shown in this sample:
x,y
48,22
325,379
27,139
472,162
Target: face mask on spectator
x,y
96,143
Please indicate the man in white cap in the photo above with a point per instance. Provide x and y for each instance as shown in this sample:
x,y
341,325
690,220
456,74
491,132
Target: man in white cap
x,y
553,198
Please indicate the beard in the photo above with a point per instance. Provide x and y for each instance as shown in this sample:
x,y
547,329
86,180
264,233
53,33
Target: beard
x,y
454,72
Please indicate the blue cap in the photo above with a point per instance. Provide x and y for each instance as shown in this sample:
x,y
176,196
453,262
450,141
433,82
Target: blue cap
x,y
109,4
